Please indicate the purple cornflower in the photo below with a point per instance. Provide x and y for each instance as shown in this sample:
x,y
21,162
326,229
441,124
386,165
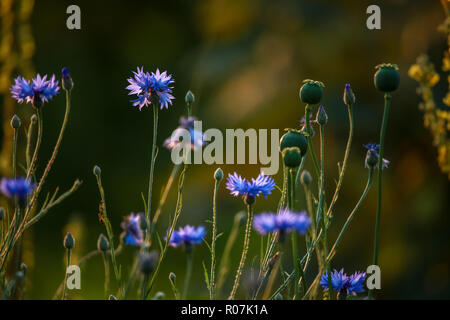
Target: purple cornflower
x,y
196,136
283,222
250,189
372,156
132,233
146,85
37,91
344,284
187,236
18,188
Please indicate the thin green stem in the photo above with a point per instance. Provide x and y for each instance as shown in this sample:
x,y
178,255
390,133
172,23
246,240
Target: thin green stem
x,y
387,105
40,121
308,110
248,231
28,148
295,259
351,215
106,266
14,164
152,162
212,283
187,280
65,276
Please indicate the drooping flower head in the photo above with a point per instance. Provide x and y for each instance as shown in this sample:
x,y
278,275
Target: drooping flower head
x,y
196,137
37,91
132,233
282,222
344,284
18,188
372,156
249,190
187,236
148,86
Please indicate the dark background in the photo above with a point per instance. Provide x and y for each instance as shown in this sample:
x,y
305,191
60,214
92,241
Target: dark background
x,y
244,61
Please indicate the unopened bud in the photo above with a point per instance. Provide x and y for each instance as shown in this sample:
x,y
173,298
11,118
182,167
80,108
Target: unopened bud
x,y
102,243
69,241
218,174
306,178
15,122
321,117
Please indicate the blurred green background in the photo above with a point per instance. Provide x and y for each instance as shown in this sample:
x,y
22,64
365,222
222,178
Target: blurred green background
x,y
244,61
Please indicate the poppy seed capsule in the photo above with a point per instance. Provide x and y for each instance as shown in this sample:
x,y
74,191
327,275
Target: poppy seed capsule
x,y
69,241
387,77
189,98
294,138
311,91
292,157
102,243
306,178
15,122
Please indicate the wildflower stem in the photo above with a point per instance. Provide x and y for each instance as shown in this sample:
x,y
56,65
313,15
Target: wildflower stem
x,y
309,137
28,148
152,162
387,105
63,297
295,260
106,265
40,121
189,263
344,162
248,231
14,164
212,283
351,215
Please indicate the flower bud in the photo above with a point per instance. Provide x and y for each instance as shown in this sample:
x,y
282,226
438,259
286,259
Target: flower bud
x,y
173,278
15,122
97,171
249,199
306,178
102,243
23,267
311,91
111,297
148,261
143,223
387,77
278,296
159,296
69,241
321,117
371,158
218,174
189,98
294,138
34,118
67,82
292,157
349,96
2,213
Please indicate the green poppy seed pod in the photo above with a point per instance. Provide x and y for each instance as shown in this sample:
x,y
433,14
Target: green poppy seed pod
x,y
292,157
143,223
111,297
218,175
189,98
306,178
34,118
66,81
69,241
294,138
102,243
387,77
2,213
349,96
15,122
278,296
97,171
321,117
148,261
311,91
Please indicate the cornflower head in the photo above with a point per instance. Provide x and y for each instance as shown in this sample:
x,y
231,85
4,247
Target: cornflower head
x,y
148,86
282,222
187,236
37,91
196,137
249,190
19,188
132,233
372,156
344,284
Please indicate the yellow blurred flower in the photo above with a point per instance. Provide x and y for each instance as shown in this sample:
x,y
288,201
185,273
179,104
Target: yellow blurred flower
x,y
415,72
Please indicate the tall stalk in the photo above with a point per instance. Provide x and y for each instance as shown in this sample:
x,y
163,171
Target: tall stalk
x,y
152,162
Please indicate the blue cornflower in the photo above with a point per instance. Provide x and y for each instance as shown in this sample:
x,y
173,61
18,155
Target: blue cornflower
x,y
187,236
132,233
283,222
196,136
18,188
145,84
36,92
241,186
343,283
372,156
